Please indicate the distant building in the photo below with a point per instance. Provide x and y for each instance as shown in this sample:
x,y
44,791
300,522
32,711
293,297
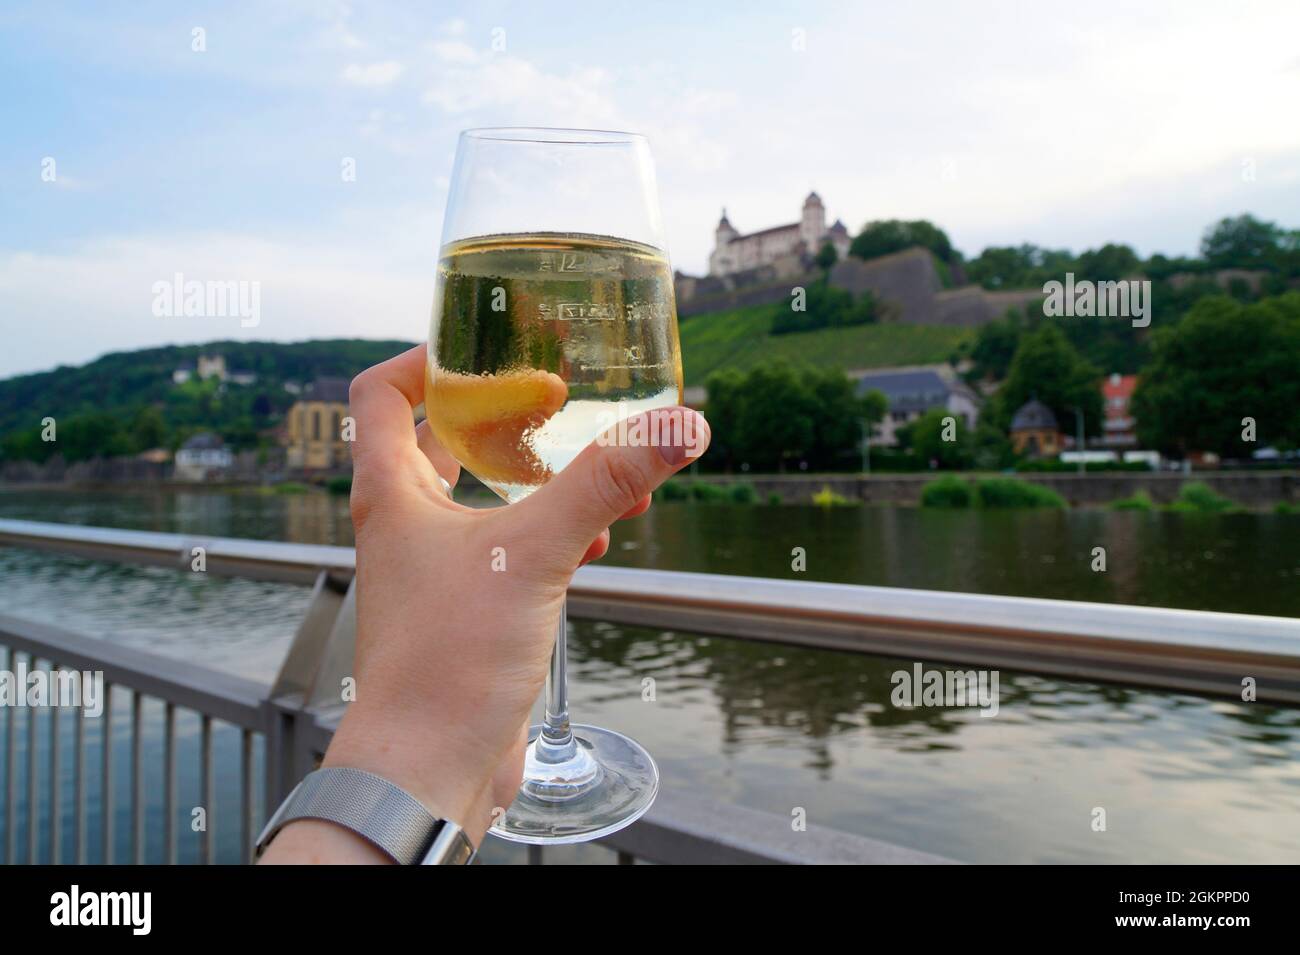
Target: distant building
x,y
912,392
202,457
1119,428
212,366
734,252
1035,432
314,437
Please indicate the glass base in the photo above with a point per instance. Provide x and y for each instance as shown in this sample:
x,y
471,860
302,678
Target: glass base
x,y
608,783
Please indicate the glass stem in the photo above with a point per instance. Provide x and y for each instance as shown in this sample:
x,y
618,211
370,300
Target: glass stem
x,y
556,744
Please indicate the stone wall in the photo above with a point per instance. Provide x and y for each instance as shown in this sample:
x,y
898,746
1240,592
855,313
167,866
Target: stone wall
x,y
906,282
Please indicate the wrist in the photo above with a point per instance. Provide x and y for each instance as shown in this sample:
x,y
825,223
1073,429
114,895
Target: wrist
x,y
448,779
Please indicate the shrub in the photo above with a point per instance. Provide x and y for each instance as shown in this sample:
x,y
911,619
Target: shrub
x,y
1197,496
708,493
742,493
1285,507
339,485
674,491
947,491
290,487
828,498
1008,492
774,499
1140,501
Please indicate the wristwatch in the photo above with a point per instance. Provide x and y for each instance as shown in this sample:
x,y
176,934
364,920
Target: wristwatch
x,y
376,810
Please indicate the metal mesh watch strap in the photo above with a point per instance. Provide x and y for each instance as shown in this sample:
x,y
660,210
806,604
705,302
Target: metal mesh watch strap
x,y
377,810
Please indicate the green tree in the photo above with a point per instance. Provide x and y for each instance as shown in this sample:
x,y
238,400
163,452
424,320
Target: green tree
x,y
826,256
1242,242
1224,362
995,345
1108,264
1047,367
777,414
1022,266
148,430
884,236
927,437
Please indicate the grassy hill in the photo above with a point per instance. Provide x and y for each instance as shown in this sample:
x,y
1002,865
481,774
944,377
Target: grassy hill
x,y
741,338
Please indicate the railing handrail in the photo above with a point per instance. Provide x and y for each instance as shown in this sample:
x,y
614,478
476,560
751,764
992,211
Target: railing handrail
x,y
676,829
1194,650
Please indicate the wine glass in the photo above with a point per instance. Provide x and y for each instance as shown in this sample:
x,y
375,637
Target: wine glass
x,y
553,318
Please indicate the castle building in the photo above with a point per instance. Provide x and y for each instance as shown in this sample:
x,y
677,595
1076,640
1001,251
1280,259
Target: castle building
x,y
734,252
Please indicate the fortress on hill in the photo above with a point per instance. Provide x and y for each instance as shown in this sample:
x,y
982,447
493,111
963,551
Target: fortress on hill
x,y
762,267
733,252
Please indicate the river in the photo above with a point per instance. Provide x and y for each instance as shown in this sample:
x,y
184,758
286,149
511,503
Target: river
x,y
1182,778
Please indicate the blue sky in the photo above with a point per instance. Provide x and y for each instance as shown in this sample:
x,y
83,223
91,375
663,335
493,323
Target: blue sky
x,y
1003,122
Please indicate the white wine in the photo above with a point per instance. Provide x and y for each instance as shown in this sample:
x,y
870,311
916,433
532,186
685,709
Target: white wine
x,y
540,342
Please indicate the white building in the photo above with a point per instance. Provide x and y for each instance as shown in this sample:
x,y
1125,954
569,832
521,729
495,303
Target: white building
x,y
212,366
734,252
203,456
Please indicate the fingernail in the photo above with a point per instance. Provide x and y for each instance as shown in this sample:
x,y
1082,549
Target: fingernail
x,y
684,435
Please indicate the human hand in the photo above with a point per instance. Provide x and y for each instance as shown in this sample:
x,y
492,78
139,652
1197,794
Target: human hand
x,y
452,653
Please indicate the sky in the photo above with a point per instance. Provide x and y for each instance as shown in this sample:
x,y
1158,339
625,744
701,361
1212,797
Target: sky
x,y
128,156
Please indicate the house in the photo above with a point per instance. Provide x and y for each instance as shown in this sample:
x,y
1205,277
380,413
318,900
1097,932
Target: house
x,y
202,457
911,392
1035,432
314,439
1119,428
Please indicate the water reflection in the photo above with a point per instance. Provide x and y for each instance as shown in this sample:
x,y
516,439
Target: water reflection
x,y
776,727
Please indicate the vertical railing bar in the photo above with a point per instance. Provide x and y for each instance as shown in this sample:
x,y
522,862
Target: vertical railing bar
x,y
137,782
169,784
206,791
79,783
106,801
246,797
33,777
55,781
11,789
535,855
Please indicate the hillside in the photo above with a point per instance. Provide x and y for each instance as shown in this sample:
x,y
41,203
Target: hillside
x,y
112,392
741,338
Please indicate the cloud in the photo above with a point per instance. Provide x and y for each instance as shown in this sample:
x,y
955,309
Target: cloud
x,y
74,305
373,75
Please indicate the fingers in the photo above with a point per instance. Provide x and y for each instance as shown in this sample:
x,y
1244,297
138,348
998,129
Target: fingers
x,y
598,549
613,477
381,400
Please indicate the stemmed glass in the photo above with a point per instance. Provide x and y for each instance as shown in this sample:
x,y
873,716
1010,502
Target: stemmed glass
x,y
553,318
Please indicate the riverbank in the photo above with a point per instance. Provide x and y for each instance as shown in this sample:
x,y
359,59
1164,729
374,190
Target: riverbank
x,y
1250,489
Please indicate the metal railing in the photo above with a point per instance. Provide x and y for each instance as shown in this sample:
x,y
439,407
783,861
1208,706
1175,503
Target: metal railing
x,y
291,719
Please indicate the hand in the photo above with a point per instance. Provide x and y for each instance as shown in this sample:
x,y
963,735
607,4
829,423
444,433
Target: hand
x,y
452,653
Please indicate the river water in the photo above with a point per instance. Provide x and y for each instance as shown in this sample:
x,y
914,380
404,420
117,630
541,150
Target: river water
x,y
1181,778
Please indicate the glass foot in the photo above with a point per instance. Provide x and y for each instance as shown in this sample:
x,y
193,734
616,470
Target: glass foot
x,y
608,783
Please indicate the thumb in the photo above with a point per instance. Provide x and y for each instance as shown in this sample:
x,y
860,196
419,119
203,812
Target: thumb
x,y
612,475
